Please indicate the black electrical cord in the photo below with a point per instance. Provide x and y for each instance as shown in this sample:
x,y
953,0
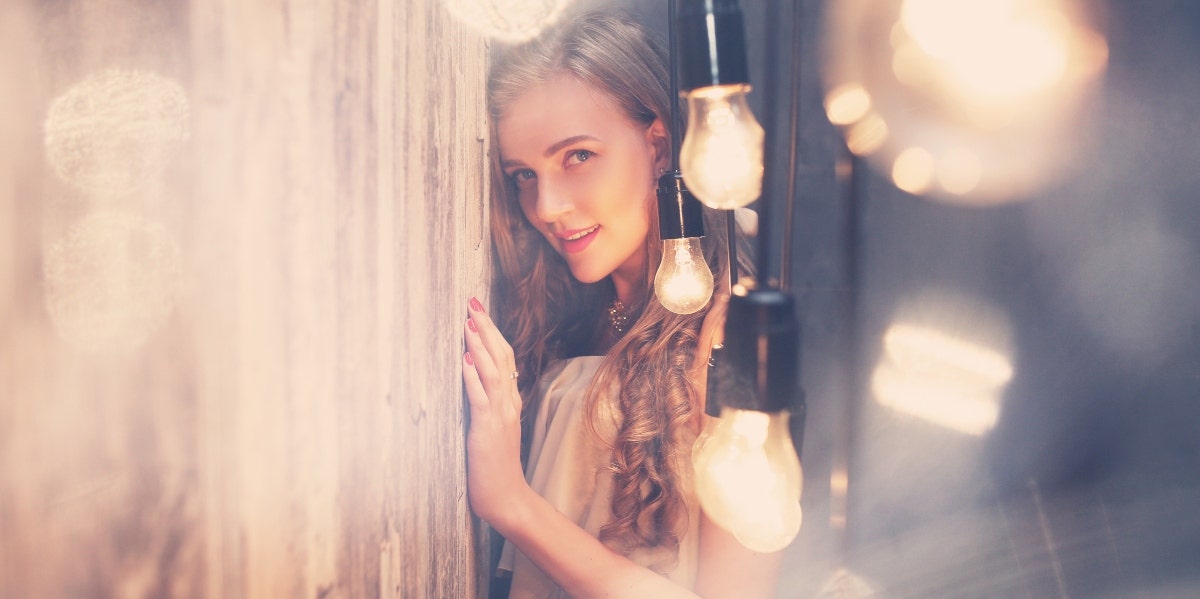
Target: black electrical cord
x,y
673,51
770,101
789,219
844,450
677,135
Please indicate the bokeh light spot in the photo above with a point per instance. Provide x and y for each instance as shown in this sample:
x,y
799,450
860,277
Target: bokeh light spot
x,y
945,360
913,170
115,129
917,348
111,282
909,67
867,135
1012,81
959,171
506,20
847,104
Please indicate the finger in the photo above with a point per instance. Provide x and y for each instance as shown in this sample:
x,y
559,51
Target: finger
x,y
498,381
485,365
493,339
477,397
499,351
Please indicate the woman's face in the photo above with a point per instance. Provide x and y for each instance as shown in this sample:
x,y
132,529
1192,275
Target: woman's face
x,y
585,174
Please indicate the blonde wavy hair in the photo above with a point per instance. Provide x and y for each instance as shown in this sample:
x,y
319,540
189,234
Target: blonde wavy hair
x,y
547,314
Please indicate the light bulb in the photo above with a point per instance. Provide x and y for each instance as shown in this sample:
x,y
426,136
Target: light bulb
x,y
722,153
748,478
683,282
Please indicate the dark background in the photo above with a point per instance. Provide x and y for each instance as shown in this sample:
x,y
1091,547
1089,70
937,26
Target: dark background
x,y
1089,484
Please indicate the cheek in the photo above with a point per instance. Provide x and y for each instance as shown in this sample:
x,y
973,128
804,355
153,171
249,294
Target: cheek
x,y
527,203
528,210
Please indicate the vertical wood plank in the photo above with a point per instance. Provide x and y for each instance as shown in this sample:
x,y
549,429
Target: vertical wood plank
x,y
439,126
294,427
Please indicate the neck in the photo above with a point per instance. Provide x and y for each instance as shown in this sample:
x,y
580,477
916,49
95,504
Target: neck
x,y
629,280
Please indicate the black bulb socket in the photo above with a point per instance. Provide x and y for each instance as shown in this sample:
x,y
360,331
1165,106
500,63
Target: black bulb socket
x,y
712,44
680,214
758,367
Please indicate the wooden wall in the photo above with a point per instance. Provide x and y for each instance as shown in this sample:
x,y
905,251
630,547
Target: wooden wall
x,y
236,241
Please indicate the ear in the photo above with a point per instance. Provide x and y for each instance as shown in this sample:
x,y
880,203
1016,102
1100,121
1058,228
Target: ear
x,y
660,142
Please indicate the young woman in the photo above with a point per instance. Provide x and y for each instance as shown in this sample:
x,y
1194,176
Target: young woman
x,y
608,384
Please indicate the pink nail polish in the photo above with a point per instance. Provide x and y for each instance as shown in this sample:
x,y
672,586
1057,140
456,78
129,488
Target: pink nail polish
x,y
470,361
471,325
476,306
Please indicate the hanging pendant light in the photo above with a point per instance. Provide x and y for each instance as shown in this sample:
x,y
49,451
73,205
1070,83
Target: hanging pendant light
x,y
684,282
722,154
746,463
748,473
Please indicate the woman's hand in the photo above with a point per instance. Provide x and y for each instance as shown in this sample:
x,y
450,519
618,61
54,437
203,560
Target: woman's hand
x,y
494,474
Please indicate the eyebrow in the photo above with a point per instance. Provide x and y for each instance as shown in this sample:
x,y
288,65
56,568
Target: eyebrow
x,y
554,148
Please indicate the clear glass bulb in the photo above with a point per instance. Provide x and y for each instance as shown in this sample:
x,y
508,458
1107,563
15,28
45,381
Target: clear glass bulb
x,y
748,478
683,282
722,153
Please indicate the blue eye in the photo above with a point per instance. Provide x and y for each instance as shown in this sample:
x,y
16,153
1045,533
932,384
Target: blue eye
x,y
521,176
577,156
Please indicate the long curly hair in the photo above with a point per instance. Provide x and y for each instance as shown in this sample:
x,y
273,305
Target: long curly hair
x,y
547,314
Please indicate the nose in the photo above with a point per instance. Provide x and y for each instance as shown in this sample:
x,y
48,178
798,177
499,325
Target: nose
x,y
553,200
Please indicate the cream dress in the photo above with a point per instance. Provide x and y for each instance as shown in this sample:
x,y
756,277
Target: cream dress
x,y
568,466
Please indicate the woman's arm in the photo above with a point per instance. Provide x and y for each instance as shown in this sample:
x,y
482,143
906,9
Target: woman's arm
x,y
572,557
727,569
577,561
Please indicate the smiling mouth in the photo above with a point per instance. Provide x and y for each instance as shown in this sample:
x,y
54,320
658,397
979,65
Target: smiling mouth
x,y
581,234
578,241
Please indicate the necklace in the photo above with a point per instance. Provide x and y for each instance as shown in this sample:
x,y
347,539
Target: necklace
x,y
617,316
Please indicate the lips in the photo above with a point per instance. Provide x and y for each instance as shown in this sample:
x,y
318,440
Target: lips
x,y
578,239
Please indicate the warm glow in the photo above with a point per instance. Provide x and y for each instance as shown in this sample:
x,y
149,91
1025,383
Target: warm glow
x,y
506,20
847,104
946,359
959,171
995,49
913,170
1093,52
867,135
941,377
748,478
908,65
722,153
920,349
684,282
1020,62
943,27
998,92
945,402
839,482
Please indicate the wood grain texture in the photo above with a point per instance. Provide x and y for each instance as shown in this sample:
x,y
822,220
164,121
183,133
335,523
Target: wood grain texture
x,y
437,111
294,427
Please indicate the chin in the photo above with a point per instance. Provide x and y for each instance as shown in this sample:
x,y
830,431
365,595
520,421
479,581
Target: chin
x,y
588,275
